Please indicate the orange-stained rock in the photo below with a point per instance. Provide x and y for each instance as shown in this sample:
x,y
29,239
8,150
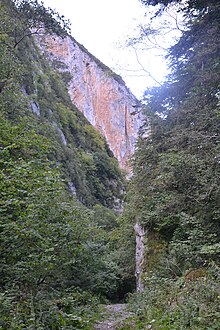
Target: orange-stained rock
x,y
99,94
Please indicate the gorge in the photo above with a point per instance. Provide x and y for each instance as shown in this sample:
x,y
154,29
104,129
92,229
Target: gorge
x,y
71,200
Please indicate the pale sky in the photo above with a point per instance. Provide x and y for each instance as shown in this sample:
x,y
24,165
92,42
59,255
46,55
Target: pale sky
x,y
103,26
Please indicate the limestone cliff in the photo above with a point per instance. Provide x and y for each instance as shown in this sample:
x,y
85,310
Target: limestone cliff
x,y
98,93
139,257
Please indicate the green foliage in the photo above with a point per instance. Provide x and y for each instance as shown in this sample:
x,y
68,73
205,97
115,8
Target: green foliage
x,y
176,172
49,242
73,309
9,68
63,124
123,239
183,303
42,232
174,193
24,18
197,6
57,254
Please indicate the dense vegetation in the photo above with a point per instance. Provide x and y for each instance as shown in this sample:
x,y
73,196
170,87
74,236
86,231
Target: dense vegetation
x,y
175,193
60,186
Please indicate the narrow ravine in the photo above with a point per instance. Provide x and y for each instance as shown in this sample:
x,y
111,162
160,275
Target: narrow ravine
x,y
113,317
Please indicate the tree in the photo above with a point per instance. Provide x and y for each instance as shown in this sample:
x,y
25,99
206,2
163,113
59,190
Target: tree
x,y
174,193
176,171
29,17
188,5
54,251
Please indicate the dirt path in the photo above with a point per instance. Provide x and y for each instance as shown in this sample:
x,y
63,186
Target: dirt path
x,y
113,317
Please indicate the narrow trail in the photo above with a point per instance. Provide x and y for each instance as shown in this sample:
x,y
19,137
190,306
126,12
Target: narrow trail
x,y
113,317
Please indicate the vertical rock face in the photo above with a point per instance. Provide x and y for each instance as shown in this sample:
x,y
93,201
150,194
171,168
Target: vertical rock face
x,y
99,94
140,235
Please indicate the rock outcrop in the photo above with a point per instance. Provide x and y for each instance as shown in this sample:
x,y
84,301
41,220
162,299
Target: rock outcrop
x,y
99,94
140,236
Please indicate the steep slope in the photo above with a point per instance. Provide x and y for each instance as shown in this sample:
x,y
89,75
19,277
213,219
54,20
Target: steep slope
x,y
59,185
88,165
98,93
90,169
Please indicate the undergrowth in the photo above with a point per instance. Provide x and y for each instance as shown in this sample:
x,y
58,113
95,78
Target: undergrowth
x,y
180,303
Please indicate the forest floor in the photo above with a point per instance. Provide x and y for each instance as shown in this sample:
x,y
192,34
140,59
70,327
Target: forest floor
x,y
113,317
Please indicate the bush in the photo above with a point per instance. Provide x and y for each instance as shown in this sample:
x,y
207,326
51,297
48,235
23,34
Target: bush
x,y
72,309
183,303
